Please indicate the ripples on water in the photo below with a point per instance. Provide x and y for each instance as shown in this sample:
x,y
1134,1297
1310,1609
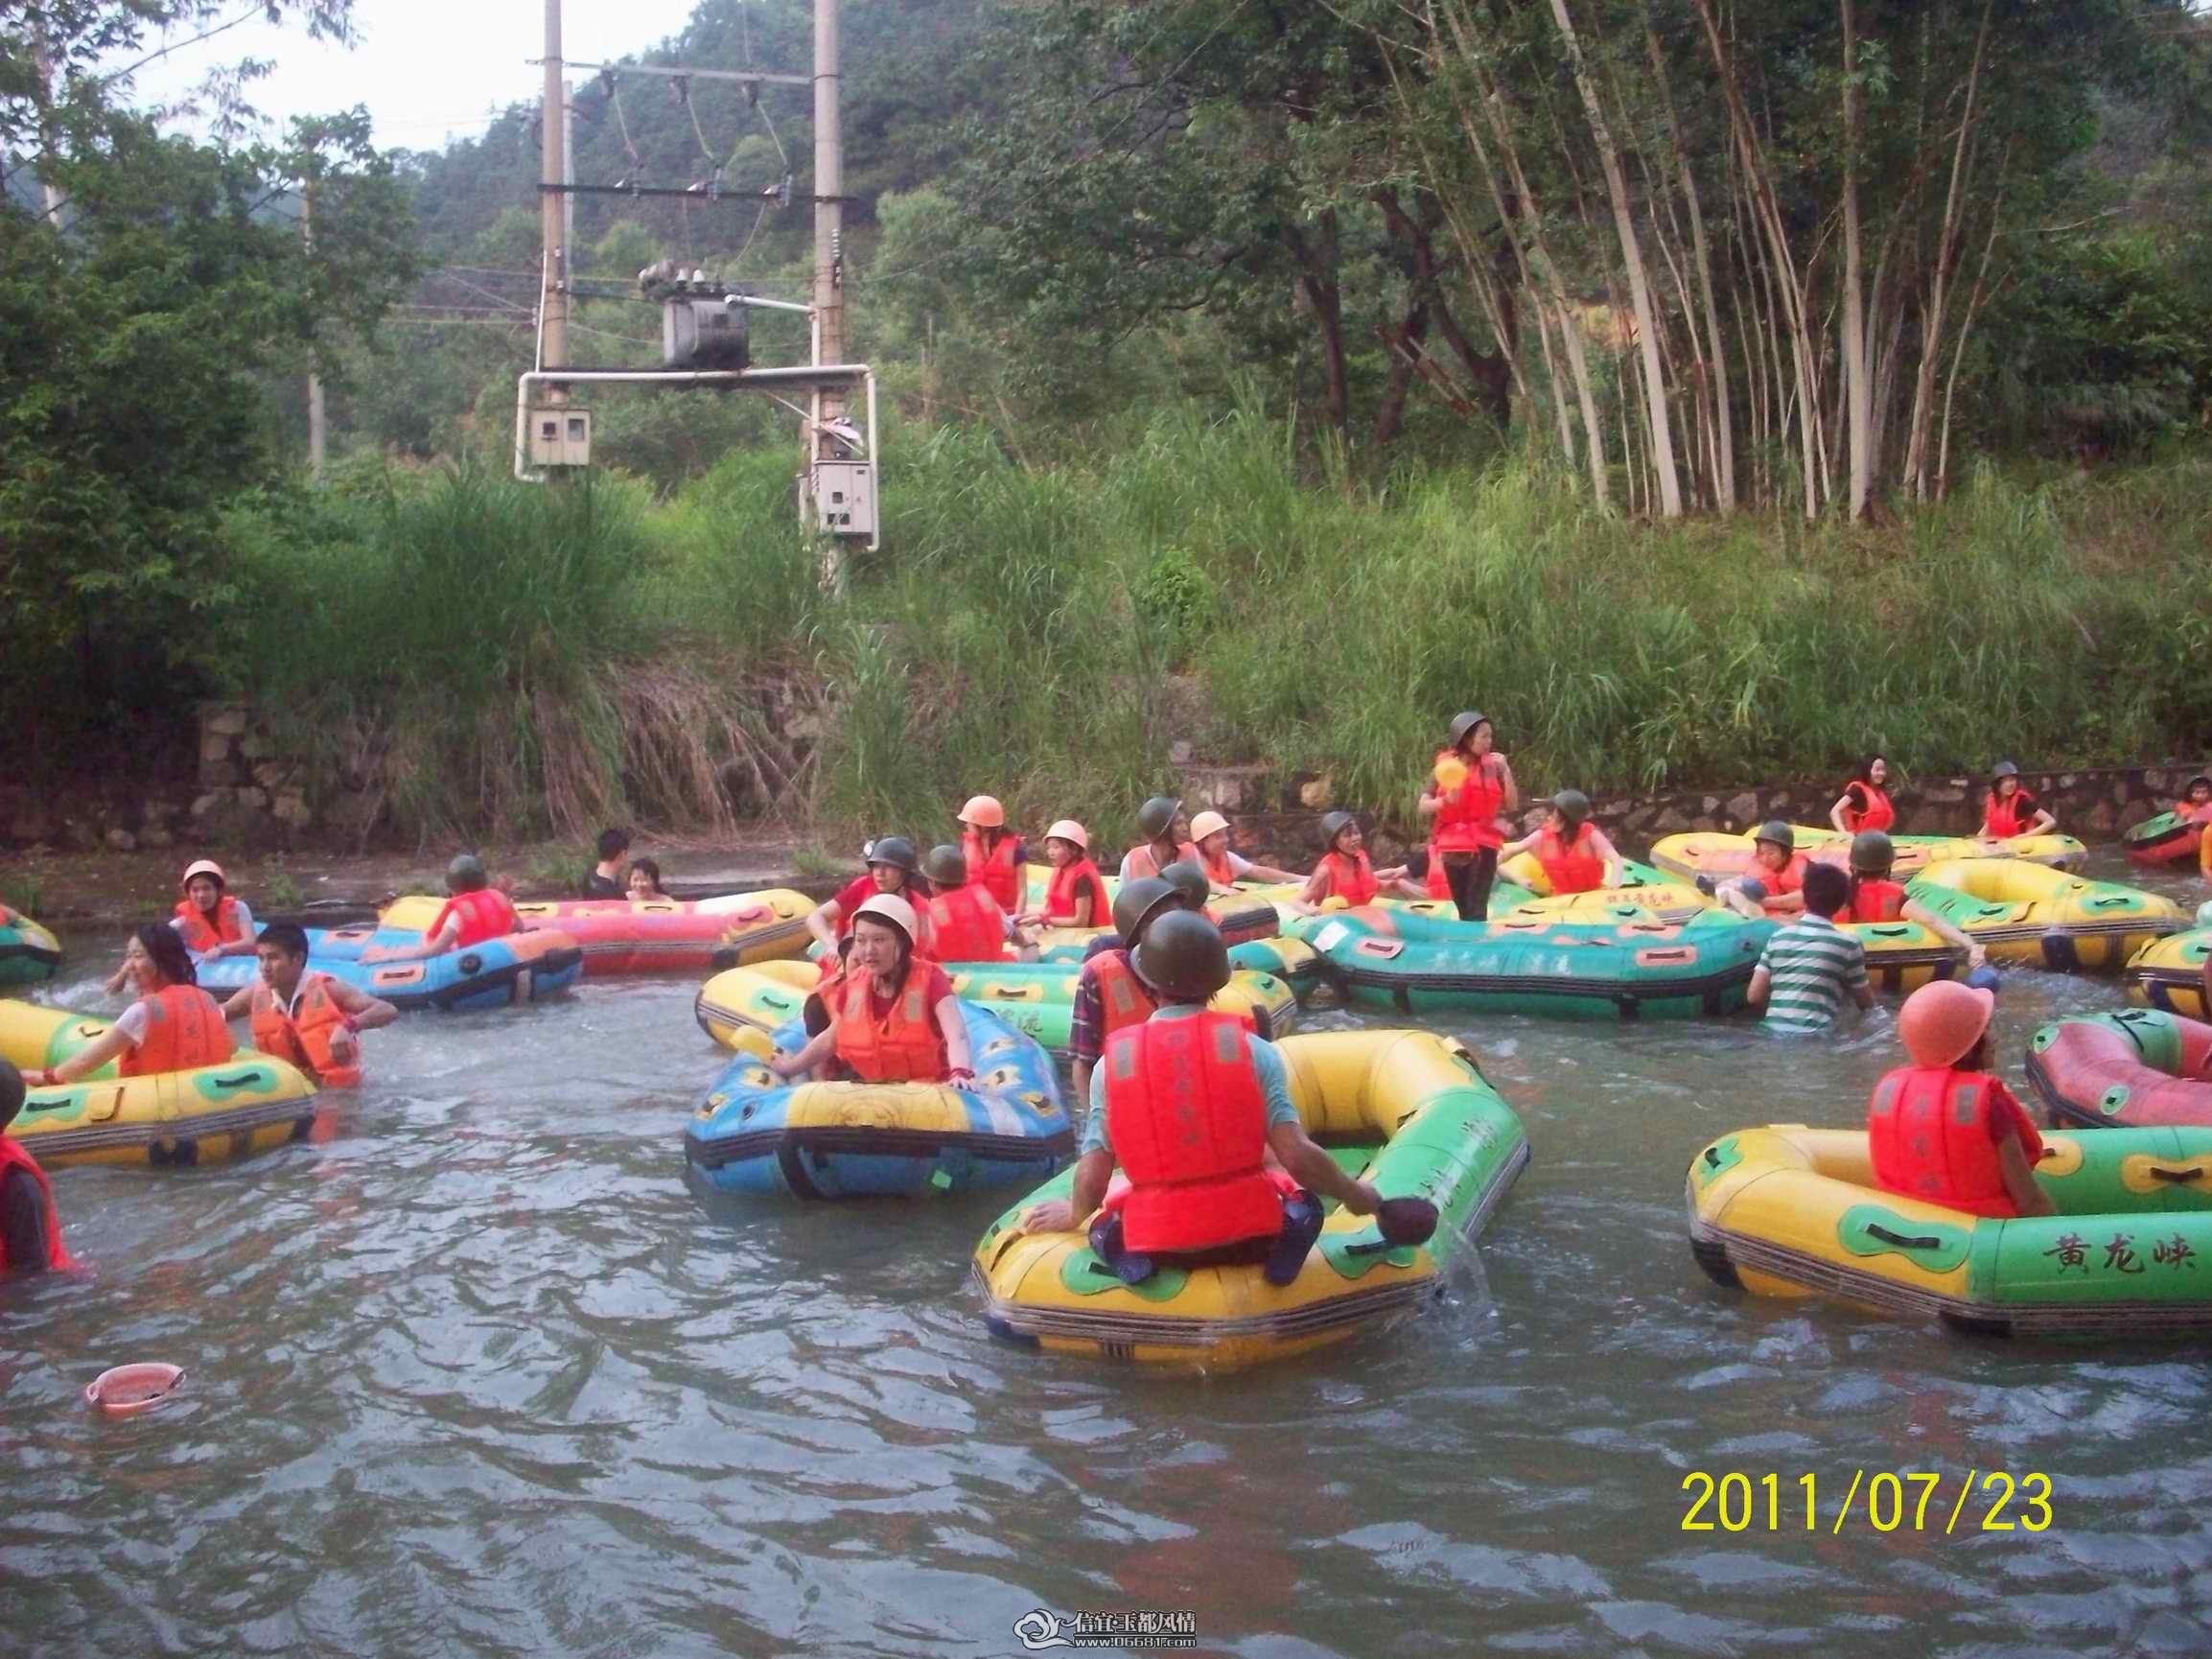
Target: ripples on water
x,y
478,1374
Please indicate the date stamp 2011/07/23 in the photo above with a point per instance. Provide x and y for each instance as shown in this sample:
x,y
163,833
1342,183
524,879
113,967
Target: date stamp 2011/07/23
x,y
1907,1501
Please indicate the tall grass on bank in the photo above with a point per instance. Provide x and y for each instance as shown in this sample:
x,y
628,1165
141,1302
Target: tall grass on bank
x,y
515,658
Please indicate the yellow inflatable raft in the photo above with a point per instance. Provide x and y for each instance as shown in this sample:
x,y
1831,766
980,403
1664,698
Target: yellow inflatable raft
x,y
1410,1111
213,1114
2030,915
1709,853
2169,973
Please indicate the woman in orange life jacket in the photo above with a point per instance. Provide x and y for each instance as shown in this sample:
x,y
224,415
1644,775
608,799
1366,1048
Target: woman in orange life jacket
x,y
966,924
306,1020
1575,853
1876,898
1345,872
2195,802
1944,1129
1077,897
475,911
994,853
209,920
893,867
1865,803
1776,870
174,1025
894,1019
1225,868
644,883
1166,841
2009,810
30,1226
1471,785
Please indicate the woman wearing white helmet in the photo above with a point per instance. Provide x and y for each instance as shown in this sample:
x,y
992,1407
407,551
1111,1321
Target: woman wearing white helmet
x,y
1225,868
1077,897
894,1019
210,921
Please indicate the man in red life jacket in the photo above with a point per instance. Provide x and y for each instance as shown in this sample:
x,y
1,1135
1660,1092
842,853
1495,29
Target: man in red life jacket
x,y
306,1020
1108,994
1576,854
1191,1104
1157,821
1944,1131
474,912
30,1228
966,922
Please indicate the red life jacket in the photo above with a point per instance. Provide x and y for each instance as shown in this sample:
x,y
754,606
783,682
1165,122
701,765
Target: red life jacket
x,y
1875,902
1466,818
302,1037
485,914
903,1045
1436,883
1144,861
2002,820
995,871
199,938
1879,814
1928,1134
2190,814
967,926
1571,867
1223,873
1789,878
1351,880
1069,882
184,1029
12,1156
1123,999
1189,1126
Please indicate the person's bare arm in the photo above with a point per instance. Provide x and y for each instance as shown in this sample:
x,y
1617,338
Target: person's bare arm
x,y
1762,982
110,1045
239,1004
366,1012
954,1030
1915,911
1312,1168
1616,867
1092,1171
1835,813
2020,1183
818,1049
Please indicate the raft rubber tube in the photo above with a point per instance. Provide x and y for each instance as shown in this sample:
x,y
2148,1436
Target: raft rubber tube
x,y
2029,915
171,1120
756,1134
2169,838
1789,1211
1248,912
2169,973
1712,852
2135,1069
1407,1111
654,935
28,952
517,968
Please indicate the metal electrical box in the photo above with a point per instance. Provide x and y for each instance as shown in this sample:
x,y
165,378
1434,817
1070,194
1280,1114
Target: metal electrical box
x,y
560,436
705,332
844,496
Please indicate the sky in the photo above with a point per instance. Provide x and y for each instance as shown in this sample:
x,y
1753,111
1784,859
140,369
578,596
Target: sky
x,y
428,70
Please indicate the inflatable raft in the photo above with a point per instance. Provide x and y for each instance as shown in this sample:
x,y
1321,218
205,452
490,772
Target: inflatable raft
x,y
1791,1211
2030,915
520,968
1709,853
211,1114
2169,973
28,952
655,935
2169,838
1407,1111
2135,1069
1036,998
757,1134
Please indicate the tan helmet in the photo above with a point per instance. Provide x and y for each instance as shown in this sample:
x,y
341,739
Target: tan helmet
x,y
1068,830
1207,824
891,909
204,866
983,812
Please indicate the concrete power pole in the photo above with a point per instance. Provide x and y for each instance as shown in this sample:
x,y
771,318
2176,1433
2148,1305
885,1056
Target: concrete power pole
x,y
553,207
317,429
827,404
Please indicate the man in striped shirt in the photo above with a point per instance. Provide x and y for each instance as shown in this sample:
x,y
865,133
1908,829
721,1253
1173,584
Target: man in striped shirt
x,y
1809,967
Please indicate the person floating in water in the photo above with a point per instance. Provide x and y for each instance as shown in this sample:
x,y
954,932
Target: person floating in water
x,y
306,1020
174,1025
30,1226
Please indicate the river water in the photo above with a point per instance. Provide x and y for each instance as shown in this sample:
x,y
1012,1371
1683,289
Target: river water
x,y
477,1373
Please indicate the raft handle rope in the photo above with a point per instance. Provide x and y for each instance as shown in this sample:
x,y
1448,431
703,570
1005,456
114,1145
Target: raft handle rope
x,y
1903,1241
2176,1175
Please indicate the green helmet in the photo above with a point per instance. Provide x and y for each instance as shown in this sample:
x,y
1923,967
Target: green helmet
x,y
1190,882
1774,830
1333,825
896,851
1182,957
1462,724
1872,854
2004,769
466,873
1571,805
1138,902
1157,816
947,867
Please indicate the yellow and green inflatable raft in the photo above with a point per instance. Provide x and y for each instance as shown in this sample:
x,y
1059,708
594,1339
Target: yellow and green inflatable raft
x,y
2032,916
1408,1109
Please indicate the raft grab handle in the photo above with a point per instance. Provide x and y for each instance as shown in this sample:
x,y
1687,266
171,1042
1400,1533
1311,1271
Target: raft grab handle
x,y
1903,1241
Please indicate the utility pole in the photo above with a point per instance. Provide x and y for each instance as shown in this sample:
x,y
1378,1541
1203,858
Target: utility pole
x,y
827,404
317,430
554,297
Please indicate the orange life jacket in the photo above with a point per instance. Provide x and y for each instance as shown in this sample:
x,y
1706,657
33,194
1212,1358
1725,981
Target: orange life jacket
x,y
184,1029
1436,883
199,937
994,871
1144,861
1466,818
1189,1126
1221,874
1068,883
1875,902
1123,999
302,1037
1789,878
1351,880
2002,820
12,1156
1879,813
967,926
2190,812
1571,867
903,1045
487,913
1928,1137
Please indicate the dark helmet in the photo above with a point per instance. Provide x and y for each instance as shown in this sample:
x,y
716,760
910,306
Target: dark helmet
x,y
1333,825
2003,769
1138,902
1774,830
1183,956
1871,853
896,851
1157,816
1462,724
466,873
947,867
1571,805
1189,882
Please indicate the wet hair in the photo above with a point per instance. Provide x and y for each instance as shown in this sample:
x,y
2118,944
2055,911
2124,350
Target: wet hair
x,y
1826,889
11,1092
287,936
613,844
171,959
650,868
